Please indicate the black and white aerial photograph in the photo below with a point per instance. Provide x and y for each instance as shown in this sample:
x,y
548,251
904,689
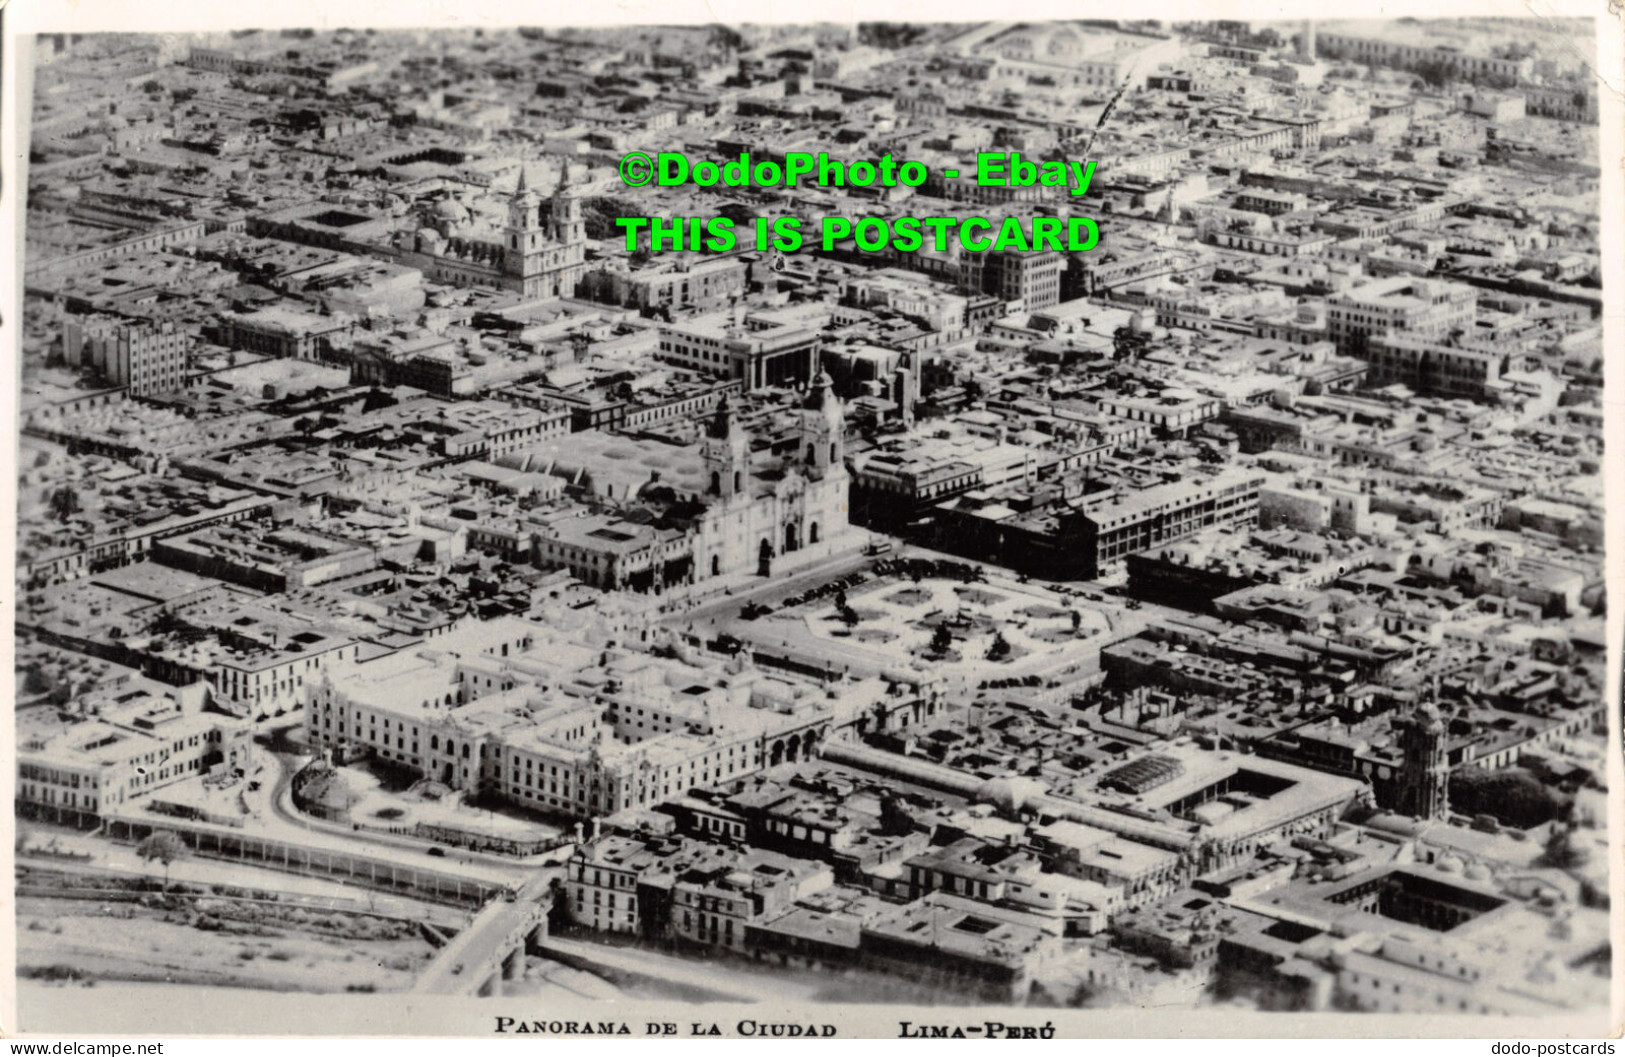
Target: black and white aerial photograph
x,y
1050,517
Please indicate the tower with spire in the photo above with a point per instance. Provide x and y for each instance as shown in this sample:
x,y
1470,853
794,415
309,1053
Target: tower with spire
x,y
564,223
524,224
544,260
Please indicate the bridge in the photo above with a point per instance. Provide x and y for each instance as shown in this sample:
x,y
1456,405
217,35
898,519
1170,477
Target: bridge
x,y
493,946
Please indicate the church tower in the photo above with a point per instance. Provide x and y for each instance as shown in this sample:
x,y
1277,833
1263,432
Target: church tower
x,y
564,223
545,260
726,453
565,262
1424,774
823,430
524,236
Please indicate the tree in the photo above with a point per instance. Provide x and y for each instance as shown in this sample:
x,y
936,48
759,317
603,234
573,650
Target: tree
x,y
849,616
1561,853
1000,649
725,37
35,681
942,640
895,818
1129,344
1435,72
1077,621
65,503
164,846
1512,794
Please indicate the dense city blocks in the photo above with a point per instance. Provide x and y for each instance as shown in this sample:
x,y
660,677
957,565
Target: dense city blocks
x,y
1118,521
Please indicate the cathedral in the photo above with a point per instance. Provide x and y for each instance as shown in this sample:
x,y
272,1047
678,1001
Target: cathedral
x,y
542,253
759,510
658,513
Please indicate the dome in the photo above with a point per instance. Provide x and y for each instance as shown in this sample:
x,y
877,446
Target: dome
x,y
451,209
1450,864
1478,872
1009,794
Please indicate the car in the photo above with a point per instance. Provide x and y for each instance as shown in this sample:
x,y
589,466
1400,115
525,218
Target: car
x,y
438,853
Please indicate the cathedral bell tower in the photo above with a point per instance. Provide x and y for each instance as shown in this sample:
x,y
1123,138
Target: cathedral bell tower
x,y
823,430
523,240
565,262
564,223
726,453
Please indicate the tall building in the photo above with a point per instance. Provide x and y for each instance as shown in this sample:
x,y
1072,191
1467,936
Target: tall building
x,y
1430,367
1034,279
759,356
1105,531
144,357
1403,305
1425,772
